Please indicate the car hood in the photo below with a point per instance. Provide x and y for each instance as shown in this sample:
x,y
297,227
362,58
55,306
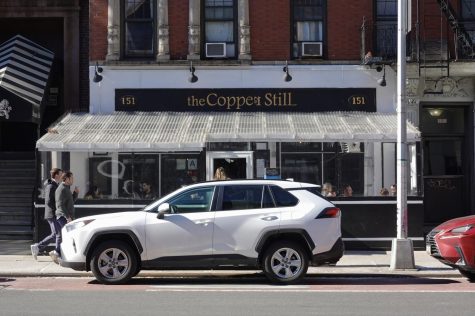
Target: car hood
x,y
129,215
456,222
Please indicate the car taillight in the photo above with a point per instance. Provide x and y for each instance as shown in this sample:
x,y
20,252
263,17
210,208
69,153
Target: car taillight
x,y
329,212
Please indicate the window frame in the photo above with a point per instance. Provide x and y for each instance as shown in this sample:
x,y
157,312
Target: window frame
x,y
123,37
387,23
235,21
468,21
294,34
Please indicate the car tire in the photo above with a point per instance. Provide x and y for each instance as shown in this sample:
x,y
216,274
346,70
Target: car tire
x,y
114,262
285,262
469,275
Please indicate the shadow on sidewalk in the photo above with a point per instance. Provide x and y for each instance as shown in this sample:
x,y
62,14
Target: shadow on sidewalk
x,y
15,247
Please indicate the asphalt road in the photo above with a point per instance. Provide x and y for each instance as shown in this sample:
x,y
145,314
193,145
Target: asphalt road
x,y
238,296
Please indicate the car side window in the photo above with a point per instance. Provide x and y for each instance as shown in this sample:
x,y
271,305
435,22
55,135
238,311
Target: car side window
x,y
282,197
242,197
192,201
267,201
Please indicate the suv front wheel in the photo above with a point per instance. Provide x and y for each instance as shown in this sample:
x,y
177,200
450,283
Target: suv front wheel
x,y
113,262
285,262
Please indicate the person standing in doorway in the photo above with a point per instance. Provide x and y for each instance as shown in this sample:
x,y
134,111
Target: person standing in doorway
x,y
50,208
64,209
220,174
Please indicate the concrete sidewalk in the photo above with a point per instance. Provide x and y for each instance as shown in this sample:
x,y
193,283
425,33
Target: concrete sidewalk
x,y
16,261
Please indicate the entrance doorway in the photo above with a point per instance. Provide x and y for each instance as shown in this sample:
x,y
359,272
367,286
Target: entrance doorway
x,y
237,165
446,141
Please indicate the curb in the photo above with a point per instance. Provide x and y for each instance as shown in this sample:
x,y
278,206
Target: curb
x,y
238,274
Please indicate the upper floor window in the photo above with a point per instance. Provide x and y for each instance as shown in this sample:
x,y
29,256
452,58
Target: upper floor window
x,y
138,28
220,28
308,28
467,8
386,29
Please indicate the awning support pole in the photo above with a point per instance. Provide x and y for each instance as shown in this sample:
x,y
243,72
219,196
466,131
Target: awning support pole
x,y
402,253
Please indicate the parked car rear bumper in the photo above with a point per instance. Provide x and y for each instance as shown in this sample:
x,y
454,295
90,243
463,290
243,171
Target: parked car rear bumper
x,y
330,257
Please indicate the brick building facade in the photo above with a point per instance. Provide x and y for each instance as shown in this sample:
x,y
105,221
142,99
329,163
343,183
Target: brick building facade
x,y
177,68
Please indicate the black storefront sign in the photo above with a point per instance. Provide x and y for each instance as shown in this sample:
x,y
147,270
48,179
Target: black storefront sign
x,y
248,100
16,109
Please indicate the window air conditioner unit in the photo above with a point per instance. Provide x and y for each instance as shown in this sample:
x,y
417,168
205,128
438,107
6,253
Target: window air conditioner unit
x,y
215,49
312,49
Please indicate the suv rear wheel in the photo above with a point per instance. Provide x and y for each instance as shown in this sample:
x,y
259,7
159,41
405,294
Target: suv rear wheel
x,y
113,262
285,262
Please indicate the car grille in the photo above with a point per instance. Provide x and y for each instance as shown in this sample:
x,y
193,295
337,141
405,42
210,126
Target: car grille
x,y
430,242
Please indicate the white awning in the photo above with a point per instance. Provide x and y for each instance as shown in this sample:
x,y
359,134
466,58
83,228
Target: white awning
x,y
184,131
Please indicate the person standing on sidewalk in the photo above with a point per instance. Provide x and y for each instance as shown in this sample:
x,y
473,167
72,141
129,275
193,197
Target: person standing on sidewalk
x,y
50,208
64,208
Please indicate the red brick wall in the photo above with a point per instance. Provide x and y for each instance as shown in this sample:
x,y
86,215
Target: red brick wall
x,y
178,28
344,20
270,29
98,29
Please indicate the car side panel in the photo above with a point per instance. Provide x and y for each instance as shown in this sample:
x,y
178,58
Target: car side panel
x,y
179,235
324,232
236,231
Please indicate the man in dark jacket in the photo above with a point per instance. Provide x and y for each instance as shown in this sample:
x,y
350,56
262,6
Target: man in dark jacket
x,y
64,208
50,208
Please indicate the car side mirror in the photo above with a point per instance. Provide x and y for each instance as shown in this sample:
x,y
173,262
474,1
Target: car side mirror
x,y
162,210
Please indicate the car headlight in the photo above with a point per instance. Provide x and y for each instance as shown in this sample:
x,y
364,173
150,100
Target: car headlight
x,y
79,224
462,229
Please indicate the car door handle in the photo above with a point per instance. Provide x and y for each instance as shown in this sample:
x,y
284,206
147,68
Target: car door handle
x,y
205,222
269,218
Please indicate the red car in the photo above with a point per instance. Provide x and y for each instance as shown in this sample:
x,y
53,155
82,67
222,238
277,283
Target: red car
x,y
453,243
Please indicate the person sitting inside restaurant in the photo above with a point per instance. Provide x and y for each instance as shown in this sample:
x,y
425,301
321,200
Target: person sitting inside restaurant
x,y
393,190
327,190
93,193
147,192
347,190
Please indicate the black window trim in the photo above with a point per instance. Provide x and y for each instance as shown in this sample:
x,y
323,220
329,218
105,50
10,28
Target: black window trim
x,y
235,32
123,52
324,32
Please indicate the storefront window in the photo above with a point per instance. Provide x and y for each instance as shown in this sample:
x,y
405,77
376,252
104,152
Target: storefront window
x,y
301,147
337,164
140,177
100,185
302,167
181,169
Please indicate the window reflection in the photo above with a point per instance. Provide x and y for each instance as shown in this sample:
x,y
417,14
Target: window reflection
x,y
140,178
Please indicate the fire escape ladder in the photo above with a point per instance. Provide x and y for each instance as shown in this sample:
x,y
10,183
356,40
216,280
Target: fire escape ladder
x,y
458,28
434,52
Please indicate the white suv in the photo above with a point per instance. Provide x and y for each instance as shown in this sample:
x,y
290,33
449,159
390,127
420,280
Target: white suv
x,y
278,226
